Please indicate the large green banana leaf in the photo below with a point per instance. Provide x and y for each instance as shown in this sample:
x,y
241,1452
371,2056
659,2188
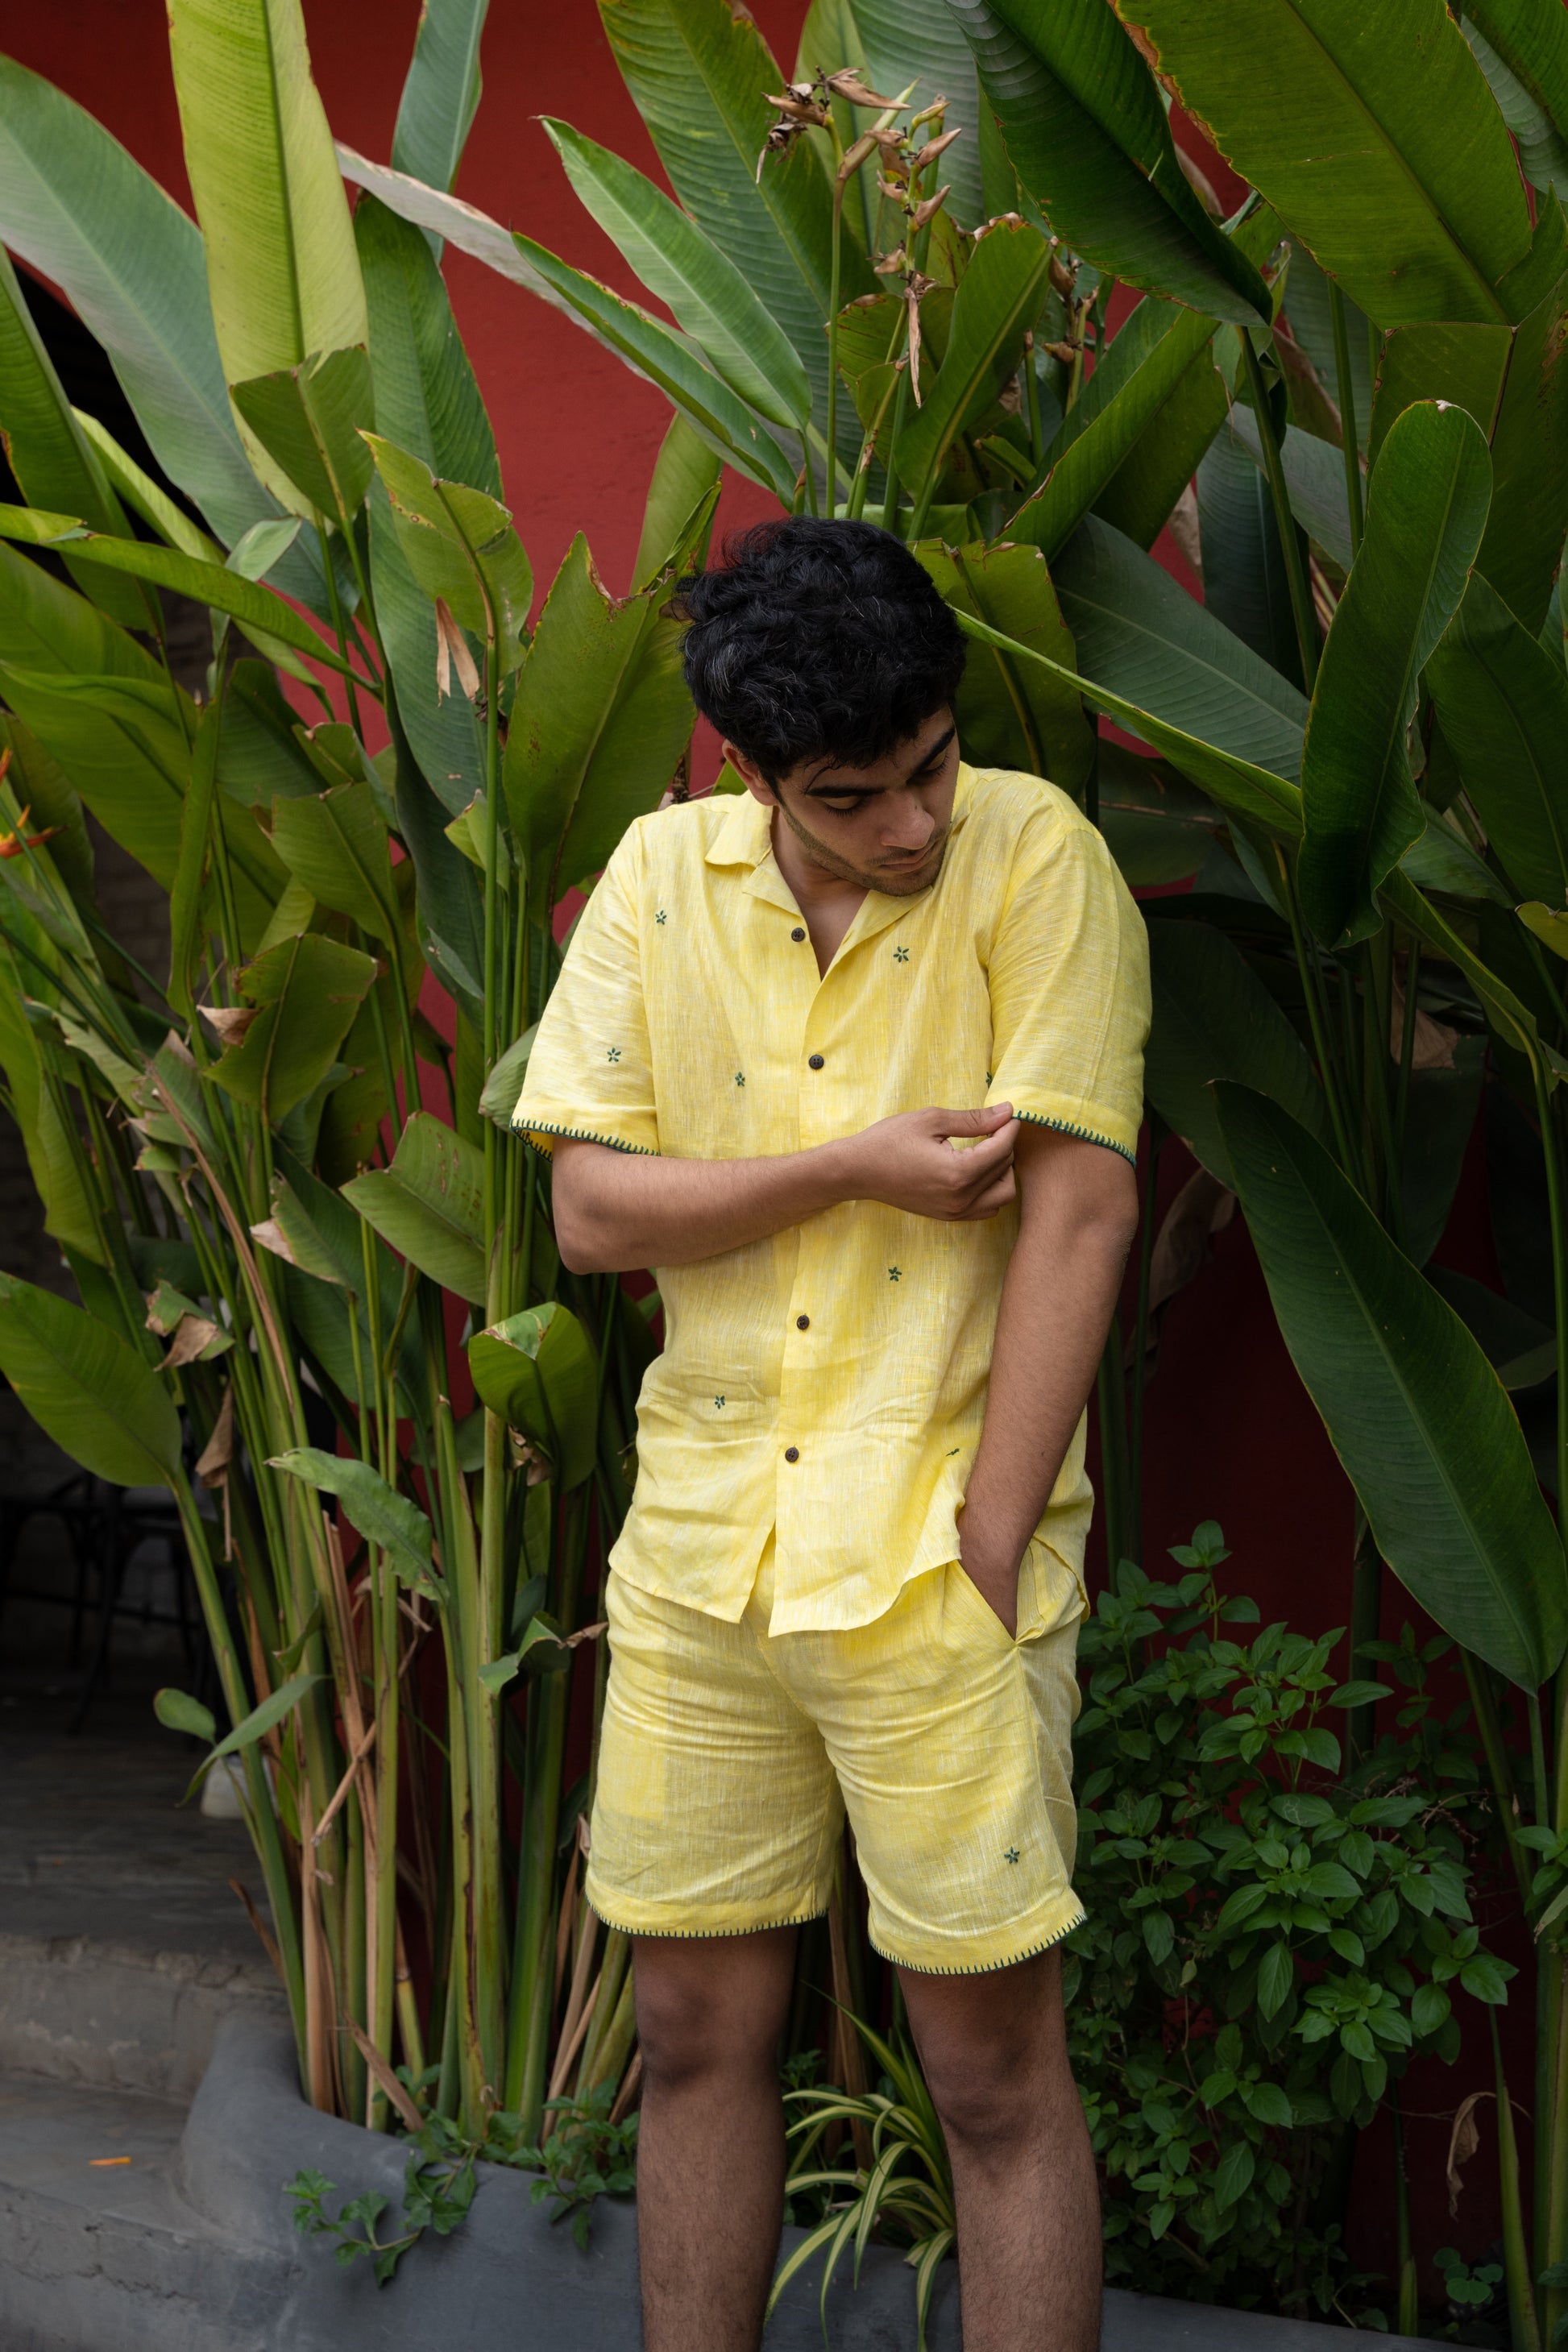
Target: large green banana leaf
x,y
1139,497
51,457
1307,306
87,1388
428,403
337,846
1138,634
1011,715
1368,127
1160,828
280,259
1523,49
600,717
1415,1413
75,208
1214,1019
1523,545
700,73
47,626
378,1511
686,271
430,1204
1088,136
227,591
440,93
1245,583
539,1371
1314,483
1426,514
307,419
127,753
461,547
1459,361
686,478
306,991
1125,397
654,352
1239,787
68,1214
1502,704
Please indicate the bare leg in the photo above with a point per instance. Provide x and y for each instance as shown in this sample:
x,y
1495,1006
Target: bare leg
x,y
711,2145
994,2047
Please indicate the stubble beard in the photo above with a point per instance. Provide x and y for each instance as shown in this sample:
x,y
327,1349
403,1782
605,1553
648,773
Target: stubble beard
x,y
892,882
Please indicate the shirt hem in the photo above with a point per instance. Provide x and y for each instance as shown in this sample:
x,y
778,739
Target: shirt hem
x,y
1083,1134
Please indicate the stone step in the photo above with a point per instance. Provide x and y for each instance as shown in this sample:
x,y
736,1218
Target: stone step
x,y
99,2256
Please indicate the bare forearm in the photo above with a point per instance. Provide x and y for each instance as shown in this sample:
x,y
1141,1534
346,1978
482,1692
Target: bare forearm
x,y
1061,1286
619,1213
615,1210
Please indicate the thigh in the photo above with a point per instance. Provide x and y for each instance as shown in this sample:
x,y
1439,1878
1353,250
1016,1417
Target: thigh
x,y
715,1810
952,1744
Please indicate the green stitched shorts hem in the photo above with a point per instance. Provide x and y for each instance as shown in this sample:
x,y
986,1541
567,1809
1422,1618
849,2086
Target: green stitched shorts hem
x,y
704,1935
982,1968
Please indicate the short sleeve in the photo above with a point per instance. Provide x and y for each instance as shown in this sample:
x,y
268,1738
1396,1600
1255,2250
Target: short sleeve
x,y
1069,989
590,1073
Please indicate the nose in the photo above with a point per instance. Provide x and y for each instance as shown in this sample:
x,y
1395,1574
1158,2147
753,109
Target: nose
x,y
910,831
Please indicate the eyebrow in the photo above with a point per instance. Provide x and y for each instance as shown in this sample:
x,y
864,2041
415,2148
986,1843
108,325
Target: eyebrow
x,y
825,787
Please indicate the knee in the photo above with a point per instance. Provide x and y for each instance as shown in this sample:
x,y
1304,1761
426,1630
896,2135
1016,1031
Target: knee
x,y
687,2035
990,2094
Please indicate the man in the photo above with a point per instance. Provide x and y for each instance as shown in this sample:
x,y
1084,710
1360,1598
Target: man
x,y
853,1059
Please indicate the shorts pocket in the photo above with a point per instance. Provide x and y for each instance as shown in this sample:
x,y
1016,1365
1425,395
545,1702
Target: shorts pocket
x,y
960,1579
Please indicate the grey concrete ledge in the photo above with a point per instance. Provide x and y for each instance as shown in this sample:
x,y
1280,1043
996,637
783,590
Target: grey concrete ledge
x,y
123,2015
509,2276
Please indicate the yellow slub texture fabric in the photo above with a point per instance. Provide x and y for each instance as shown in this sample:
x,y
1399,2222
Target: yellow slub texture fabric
x,y
828,1385
730,1755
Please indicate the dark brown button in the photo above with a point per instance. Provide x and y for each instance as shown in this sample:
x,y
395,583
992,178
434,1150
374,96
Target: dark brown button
x,y
797,934
791,1454
803,1322
814,1062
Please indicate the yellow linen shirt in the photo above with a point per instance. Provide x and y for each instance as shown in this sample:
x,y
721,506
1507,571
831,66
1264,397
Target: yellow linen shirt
x,y
829,1384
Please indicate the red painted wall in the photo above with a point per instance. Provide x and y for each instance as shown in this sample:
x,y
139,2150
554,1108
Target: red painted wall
x,y
1231,1433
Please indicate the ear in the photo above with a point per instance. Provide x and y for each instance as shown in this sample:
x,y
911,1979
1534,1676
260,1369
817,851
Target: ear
x,y
751,775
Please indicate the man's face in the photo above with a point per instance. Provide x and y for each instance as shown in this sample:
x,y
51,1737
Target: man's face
x,y
884,827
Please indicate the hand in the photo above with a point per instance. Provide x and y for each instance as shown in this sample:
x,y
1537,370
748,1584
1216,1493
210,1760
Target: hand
x,y
993,1571
908,1162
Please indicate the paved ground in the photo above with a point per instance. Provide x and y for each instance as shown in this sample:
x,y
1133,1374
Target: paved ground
x,y
94,1840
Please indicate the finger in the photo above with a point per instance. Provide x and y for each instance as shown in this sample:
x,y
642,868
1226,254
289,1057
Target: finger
x,y
999,1195
984,1121
982,1159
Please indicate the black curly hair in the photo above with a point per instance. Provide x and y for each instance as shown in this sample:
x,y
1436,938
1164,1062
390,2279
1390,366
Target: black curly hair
x,y
817,640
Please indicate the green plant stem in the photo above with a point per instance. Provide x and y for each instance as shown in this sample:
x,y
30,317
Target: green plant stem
x,y
1377,1021
1552,1157
1517,2272
1301,611
1345,386
1477,1679
832,503
340,625
1316,1012
1409,2308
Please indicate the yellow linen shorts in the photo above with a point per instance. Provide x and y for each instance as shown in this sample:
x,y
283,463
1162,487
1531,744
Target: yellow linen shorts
x,y
729,1758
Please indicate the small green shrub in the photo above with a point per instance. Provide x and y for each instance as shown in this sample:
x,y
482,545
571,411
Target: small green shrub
x,y
1269,1943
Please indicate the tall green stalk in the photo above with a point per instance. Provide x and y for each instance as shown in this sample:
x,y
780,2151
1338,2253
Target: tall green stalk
x,y
1345,387
1301,611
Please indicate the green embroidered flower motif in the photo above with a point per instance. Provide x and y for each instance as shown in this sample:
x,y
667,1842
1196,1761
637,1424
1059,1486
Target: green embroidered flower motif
x,y
614,1054
1011,1854
740,1078
895,1274
718,1404
901,955
660,917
